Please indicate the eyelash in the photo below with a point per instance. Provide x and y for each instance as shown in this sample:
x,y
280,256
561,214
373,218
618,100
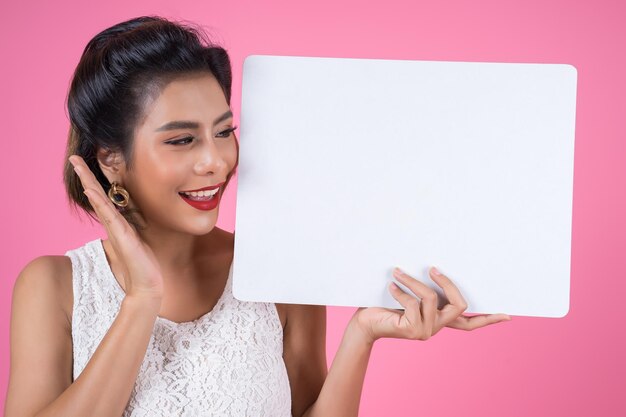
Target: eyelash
x,y
180,141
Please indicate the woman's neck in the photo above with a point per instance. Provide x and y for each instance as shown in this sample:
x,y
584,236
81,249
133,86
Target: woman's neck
x,y
178,252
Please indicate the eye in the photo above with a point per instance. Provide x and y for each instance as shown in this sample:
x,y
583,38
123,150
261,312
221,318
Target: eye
x,y
226,133
183,141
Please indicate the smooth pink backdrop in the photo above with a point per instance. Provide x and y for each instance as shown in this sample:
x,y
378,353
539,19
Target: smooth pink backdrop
x,y
567,367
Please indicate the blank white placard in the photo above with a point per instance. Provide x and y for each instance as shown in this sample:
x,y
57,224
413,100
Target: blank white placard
x,y
350,167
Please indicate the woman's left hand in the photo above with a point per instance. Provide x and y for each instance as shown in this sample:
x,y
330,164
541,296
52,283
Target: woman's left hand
x,y
420,319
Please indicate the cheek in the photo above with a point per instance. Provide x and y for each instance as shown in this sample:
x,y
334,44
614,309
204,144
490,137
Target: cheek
x,y
166,178
157,176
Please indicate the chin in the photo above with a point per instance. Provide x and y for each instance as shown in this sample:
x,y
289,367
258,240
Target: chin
x,y
201,226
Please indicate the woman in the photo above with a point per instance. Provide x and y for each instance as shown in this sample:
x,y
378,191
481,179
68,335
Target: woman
x,y
144,323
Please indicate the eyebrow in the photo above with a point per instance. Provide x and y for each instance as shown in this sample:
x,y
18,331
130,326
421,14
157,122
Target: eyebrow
x,y
188,124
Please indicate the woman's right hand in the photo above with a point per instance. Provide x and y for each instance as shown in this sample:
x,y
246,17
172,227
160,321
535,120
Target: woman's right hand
x,y
142,274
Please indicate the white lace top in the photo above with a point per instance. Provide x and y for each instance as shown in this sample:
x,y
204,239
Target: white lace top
x,y
229,362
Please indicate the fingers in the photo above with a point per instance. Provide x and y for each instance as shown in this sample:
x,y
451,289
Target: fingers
x,y
422,319
428,302
450,290
87,178
411,306
475,322
457,303
116,226
450,315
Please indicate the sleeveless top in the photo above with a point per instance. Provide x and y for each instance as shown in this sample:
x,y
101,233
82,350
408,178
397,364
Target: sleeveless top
x,y
228,362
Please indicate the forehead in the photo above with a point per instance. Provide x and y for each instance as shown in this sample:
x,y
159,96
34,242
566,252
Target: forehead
x,y
193,97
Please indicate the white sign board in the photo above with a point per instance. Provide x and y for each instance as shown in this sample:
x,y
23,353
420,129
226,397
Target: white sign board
x,y
350,167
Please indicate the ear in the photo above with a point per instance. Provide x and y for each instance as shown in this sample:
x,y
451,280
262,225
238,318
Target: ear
x,y
112,164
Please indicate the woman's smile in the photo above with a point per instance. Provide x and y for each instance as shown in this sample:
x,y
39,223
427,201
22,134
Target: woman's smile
x,y
209,188
202,200
186,144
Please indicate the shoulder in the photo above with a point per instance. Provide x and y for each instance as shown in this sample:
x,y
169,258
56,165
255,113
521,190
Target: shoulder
x,y
48,272
40,336
45,283
304,319
304,353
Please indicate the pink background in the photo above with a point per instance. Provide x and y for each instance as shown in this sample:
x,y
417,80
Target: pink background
x,y
572,366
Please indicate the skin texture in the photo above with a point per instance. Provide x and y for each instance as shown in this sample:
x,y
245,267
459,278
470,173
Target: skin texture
x,y
177,269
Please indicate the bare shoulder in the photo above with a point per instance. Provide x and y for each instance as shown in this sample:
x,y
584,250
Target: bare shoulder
x,y
40,333
46,282
304,318
306,312
304,352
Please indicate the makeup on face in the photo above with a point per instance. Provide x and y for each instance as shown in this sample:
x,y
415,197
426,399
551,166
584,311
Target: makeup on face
x,y
206,198
185,151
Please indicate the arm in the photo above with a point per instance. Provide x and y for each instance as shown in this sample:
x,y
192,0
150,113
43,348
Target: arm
x,y
419,320
41,350
315,391
304,352
341,393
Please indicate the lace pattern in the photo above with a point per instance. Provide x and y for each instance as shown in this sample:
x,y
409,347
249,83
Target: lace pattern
x,y
229,362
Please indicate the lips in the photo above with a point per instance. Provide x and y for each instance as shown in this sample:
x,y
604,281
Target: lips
x,y
210,187
204,205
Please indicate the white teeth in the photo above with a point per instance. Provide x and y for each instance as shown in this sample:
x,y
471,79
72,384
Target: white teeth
x,y
201,194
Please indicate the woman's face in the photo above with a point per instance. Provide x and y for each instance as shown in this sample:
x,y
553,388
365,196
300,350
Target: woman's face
x,y
185,143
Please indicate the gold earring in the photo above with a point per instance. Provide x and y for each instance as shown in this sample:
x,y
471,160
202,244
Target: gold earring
x,y
118,195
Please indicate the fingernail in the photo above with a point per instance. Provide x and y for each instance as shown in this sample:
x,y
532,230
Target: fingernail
x,y
397,271
435,271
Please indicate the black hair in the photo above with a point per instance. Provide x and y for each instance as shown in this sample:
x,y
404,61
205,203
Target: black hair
x,y
120,71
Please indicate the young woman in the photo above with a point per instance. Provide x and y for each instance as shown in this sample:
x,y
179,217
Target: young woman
x,y
144,323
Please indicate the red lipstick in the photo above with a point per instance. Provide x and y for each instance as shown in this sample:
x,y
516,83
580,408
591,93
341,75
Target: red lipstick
x,y
203,203
210,187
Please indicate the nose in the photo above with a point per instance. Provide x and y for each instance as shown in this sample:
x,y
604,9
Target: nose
x,y
209,160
